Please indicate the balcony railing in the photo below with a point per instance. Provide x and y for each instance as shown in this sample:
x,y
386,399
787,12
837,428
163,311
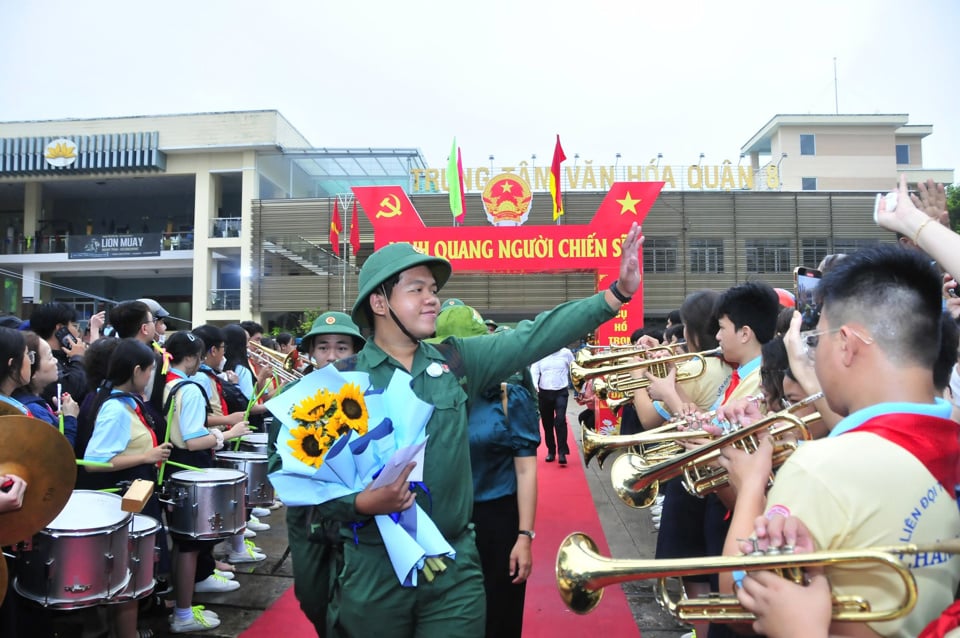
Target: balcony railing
x,y
224,299
225,227
53,244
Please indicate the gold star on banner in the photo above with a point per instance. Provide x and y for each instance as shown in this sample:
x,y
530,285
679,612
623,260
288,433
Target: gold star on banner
x,y
628,204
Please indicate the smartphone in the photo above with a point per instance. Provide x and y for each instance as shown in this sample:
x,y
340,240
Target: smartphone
x,y
65,337
807,285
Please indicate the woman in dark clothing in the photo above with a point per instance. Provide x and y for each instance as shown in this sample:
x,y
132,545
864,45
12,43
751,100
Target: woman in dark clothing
x,y
43,372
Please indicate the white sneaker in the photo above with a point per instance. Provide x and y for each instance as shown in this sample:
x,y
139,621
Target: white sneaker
x,y
223,574
214,583
659,499
656,510
260,512
277,504
248,555
255,524
198,621
249,533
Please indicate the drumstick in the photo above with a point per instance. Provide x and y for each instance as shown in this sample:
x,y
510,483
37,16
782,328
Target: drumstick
x,y
94,463
60,405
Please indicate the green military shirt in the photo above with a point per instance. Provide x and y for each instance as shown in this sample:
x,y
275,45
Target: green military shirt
x,y
487,360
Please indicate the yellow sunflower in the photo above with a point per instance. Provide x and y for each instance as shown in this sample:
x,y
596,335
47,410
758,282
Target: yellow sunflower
x,y
309,445
352,409
313,408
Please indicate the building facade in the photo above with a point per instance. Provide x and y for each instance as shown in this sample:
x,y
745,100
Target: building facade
x,y
226,216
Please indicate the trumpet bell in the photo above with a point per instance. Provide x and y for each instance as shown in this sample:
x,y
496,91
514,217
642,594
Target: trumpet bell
x,y
633,482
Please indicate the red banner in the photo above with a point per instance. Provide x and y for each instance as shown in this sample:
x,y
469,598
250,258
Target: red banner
x,y
594,247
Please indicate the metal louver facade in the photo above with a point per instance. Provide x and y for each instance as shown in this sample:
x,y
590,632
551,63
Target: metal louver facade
x,y
728,221
93,154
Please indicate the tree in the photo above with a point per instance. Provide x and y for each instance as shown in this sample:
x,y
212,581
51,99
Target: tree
x,y
953,205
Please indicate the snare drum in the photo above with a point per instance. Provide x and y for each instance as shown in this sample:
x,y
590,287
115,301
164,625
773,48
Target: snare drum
x,y
259,490
143,554
254,443
81,558
206,504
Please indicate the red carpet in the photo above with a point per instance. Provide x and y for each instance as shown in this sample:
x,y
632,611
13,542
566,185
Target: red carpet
x,y
564,506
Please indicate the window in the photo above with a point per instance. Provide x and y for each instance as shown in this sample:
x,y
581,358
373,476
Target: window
x,y
849,246
659,255
903,153
808,145
808,183
812,251
706,255
768,255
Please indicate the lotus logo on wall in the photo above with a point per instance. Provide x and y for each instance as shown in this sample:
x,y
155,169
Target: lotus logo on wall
x,y
60,153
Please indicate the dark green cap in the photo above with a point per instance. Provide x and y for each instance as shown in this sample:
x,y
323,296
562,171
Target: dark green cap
x,y
335,323
391,260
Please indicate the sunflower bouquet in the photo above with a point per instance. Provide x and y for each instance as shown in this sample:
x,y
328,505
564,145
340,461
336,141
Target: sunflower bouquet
x,y
338,435
324,417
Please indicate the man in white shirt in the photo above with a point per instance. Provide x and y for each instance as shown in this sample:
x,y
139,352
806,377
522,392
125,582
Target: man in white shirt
x,y
552,377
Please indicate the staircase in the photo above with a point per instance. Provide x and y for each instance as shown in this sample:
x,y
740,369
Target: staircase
x,y
294,257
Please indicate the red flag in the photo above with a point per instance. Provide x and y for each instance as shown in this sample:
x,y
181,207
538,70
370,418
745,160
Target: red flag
x,y
558,157
335,228
355,230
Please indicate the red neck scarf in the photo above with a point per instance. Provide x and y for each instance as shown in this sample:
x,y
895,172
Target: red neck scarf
x,y
932,440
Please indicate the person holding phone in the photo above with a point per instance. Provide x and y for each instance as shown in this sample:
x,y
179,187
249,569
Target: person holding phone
x,y
43,372
56,323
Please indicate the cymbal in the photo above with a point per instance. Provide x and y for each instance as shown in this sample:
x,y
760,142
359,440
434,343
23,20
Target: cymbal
x,y
40,455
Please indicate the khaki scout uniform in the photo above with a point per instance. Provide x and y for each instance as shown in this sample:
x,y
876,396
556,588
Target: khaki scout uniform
x,y
369,600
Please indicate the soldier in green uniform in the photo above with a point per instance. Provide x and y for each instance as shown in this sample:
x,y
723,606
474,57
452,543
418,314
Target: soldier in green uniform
x,y
315,553
398,300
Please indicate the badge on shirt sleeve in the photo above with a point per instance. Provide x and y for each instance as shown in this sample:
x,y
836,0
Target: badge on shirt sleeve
x,y
434,369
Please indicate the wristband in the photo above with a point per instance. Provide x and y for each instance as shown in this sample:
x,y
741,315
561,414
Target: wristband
x,y
622,298
528,533
777,510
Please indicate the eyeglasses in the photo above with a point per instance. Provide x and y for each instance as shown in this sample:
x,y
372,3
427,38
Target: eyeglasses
x,y
811,338
153,321
32,356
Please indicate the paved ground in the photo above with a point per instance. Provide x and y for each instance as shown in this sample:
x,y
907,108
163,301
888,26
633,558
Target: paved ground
x,y
629,533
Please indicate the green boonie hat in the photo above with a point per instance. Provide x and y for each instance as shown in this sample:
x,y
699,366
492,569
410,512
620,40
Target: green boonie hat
x,y
335,323
459,321
391,260
451,303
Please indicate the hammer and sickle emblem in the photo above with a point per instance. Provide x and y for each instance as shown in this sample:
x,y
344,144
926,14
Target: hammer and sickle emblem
x,y
392,209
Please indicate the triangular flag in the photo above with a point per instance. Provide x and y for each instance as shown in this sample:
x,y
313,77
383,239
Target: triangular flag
x,y
555,193
335,228
455,183
355,230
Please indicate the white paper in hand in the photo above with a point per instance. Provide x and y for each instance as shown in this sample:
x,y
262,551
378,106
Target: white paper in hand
x,y
400,459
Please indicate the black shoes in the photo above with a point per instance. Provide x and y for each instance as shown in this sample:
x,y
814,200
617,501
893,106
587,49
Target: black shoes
x,y
551,457
563,459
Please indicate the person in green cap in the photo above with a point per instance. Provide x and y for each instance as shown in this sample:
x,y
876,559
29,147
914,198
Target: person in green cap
x,y
314,553
398,301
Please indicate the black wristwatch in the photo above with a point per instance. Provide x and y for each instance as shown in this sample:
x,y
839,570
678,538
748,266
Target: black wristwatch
x,y
619,295
528,532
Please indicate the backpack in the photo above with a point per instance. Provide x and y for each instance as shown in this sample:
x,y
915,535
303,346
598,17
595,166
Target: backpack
x,y
232,396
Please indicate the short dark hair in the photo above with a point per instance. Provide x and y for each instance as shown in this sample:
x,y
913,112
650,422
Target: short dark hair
x,y
698,314
774,365
184,344
127,317
895,294
12,347
211,335
675,330
674,317
46,317
284,339
128,354
753,304
252,327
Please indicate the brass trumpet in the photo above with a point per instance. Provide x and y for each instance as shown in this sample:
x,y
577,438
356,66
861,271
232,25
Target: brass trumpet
x,y
601,446
617,377
637,482
286,367
582,573
586,358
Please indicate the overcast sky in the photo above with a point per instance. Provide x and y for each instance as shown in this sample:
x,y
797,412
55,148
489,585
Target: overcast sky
x,y
504,76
